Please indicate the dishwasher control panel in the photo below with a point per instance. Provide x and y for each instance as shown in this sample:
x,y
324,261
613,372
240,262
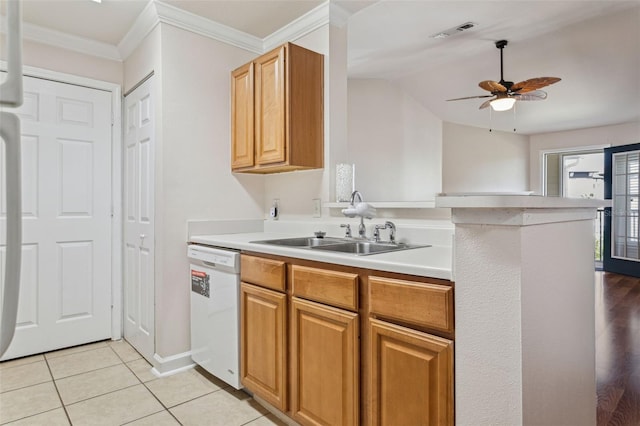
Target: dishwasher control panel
x,y
214,256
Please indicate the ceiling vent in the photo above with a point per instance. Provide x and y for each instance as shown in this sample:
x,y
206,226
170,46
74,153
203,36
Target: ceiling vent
x,y
454,30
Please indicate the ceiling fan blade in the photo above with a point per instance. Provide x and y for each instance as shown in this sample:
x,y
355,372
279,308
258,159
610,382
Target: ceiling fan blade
x,y
533,84
470,97
536,95
492,86
486,104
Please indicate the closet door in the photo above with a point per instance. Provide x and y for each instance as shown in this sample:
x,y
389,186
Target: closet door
x,y
65,285
139,284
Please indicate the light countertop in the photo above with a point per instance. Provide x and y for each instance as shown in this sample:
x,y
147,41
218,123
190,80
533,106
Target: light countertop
x,y
499,201
434,261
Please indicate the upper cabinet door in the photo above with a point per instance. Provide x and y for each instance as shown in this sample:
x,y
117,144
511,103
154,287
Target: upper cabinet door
x,y
270,120
242,118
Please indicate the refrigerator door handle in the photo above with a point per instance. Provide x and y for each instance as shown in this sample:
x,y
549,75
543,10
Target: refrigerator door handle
x,y
11,95
10,132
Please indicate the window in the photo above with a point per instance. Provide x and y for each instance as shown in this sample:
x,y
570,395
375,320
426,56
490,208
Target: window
x,y
577,174
574,174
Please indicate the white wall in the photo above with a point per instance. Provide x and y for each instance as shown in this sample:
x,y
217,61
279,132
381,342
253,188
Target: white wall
x,y
621,134
196,178
394,142
67,61
476,160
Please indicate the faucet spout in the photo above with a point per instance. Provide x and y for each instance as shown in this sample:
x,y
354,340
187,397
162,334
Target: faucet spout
x,y
362,229
355,194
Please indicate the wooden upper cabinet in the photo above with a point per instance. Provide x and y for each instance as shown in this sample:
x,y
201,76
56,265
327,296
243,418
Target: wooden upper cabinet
x,y
242,117
270,110
285,129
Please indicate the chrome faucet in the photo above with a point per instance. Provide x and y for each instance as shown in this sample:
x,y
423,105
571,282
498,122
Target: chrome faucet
x,y
392,232
362,229
355,194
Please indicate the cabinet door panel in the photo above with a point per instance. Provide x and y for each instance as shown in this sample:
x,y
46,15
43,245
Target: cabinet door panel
x,y
270,120
412,377
325,370
242,117
263,344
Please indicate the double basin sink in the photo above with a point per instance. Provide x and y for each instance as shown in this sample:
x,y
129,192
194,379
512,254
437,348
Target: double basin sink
x,y
341,245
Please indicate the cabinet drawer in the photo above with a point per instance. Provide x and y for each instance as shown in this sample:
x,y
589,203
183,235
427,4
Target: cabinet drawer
x,y
334,288
421,304
263,272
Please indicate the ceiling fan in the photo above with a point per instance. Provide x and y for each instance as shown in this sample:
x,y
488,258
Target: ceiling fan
x,y
505,93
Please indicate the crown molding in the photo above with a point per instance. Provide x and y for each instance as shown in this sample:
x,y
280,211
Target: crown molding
x,y
297,28
338,15
157,11
142,26
197,24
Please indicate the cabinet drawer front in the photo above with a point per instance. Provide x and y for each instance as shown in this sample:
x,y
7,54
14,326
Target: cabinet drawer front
x,y
331,287
421,304
264,272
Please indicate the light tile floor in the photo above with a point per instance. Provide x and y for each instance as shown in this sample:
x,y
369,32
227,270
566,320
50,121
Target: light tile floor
x,y
109,383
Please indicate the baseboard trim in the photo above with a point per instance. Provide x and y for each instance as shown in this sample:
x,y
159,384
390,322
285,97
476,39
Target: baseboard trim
x,y
173,364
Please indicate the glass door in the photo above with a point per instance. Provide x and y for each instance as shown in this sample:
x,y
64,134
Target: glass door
x,y
622,186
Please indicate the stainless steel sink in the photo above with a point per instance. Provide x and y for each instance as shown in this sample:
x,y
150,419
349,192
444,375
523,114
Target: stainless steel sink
x,y
364,248
341,245
301,242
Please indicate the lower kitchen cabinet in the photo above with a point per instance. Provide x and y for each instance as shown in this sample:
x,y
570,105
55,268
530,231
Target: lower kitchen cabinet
x,y
325,364
336,345
411,377
263,325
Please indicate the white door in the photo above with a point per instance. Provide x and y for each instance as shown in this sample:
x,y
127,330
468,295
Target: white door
x,y
65,290
138,220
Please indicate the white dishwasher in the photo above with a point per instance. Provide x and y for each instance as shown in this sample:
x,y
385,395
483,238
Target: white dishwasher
x,y
215,311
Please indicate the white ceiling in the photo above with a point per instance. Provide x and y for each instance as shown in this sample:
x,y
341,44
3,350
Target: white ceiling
x,y
594,46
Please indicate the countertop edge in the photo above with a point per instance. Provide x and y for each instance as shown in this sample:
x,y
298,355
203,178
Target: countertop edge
x,y
411,262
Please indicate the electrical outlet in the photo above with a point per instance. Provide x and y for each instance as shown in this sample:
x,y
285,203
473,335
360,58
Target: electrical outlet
x,y
274,212
317,207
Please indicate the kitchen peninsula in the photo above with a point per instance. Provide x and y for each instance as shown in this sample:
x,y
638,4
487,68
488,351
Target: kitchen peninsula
x,y
521,268
525,316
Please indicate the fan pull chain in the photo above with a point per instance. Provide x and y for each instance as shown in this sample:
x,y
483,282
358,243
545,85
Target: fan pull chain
x,y
490,118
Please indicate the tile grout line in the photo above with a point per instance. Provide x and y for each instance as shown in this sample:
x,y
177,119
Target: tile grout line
x,y
88,371
55,385
149,390
44,354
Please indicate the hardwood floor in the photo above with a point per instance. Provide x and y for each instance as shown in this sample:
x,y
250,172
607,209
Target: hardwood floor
x,y
618,349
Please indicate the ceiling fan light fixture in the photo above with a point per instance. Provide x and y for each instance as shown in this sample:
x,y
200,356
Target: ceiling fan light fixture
x,y
502,104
